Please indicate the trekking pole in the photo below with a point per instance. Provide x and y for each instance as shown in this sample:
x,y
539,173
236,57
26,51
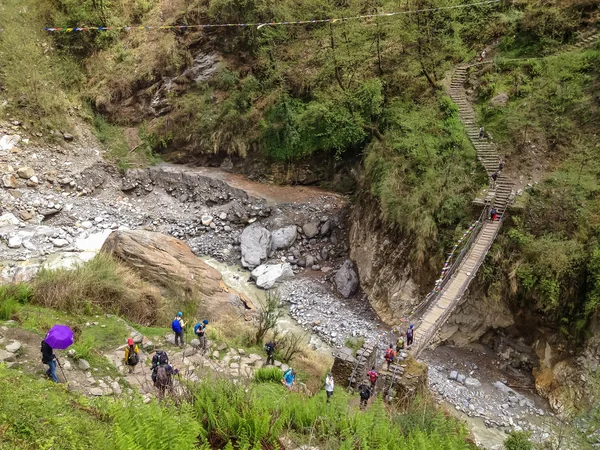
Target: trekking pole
x,y
61,369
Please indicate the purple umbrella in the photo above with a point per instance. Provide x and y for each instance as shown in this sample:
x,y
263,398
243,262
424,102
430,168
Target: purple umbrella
x,y
59,337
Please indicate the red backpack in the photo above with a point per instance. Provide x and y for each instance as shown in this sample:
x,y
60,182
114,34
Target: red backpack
x,y
389,354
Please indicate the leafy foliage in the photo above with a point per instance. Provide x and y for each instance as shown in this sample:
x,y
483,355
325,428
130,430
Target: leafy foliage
x,y
550,256
12,296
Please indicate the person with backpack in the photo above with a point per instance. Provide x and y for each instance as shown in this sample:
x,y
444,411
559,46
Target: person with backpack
x,y
160,359
200,332
329,384
494,177
493,214
373,375
390,356
289,379
364,390
132,355
49,358
481,132
177,327
270,349
400,344
410,335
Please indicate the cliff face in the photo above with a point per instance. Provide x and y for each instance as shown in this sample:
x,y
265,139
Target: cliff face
x,y
564,373
381,256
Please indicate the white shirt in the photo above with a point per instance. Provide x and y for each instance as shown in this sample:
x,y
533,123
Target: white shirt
x,y
329,384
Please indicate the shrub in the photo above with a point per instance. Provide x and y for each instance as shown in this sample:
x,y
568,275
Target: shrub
x,y
11,297
268,375
518,440
101,284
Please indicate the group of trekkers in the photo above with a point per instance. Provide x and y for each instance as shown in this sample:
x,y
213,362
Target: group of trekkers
x,y
162,372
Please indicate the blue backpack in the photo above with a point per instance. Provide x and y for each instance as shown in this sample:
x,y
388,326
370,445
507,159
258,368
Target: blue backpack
x,y
176,326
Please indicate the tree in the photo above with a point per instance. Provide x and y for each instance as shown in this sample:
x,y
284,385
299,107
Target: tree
x,y
269,313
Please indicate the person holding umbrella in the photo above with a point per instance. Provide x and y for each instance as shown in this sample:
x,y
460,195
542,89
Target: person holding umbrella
x,y
59,337
49,358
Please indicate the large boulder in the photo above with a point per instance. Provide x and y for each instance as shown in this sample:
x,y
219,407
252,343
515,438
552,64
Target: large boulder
x,y
166,261
311,229
257,245
346,279
499,100
267,276
284,237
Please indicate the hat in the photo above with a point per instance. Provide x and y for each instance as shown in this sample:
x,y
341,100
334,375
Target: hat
x,y
129,341
179,314
205,321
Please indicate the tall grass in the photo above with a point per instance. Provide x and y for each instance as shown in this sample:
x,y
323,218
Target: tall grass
x,y
33,74
11,297
100,285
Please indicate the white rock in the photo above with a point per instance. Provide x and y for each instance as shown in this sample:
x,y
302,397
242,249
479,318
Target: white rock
x,y
13,347
60,242
8,219
284,237
267,276
8,142
87,225
206,220
14,242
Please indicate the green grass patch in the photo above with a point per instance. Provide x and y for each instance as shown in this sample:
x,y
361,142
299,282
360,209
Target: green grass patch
x,y
268,375
38,414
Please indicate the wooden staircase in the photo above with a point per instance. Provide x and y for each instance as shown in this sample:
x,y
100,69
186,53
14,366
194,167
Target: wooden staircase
x,y
444,303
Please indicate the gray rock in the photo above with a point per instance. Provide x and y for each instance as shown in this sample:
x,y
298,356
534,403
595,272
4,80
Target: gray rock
x,y
256,245
83,364
309,261
95,391
346,279
14,242
116,388
8,219
461,378
195,343
453,375
325,228
284,367
68,137
499,100
137,337
472,382
60,242
25,172
189,351
13,347
6,356
283,238
502,387
310,229
267,275
216,354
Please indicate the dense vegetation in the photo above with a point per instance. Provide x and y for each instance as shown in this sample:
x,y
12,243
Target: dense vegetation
x,y
37,414
549,258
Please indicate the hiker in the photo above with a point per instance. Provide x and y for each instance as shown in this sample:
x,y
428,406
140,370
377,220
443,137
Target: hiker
x,y
329,386
399,344
132,355
390,355
373,375
365,394
289,379
270,349
494,177
410,335
177,327
500,166
200,332
49,358
481,132
493,214
483,53
164,378
159,359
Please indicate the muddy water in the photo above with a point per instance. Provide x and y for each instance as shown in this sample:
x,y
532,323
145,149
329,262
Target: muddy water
x,y
238,279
